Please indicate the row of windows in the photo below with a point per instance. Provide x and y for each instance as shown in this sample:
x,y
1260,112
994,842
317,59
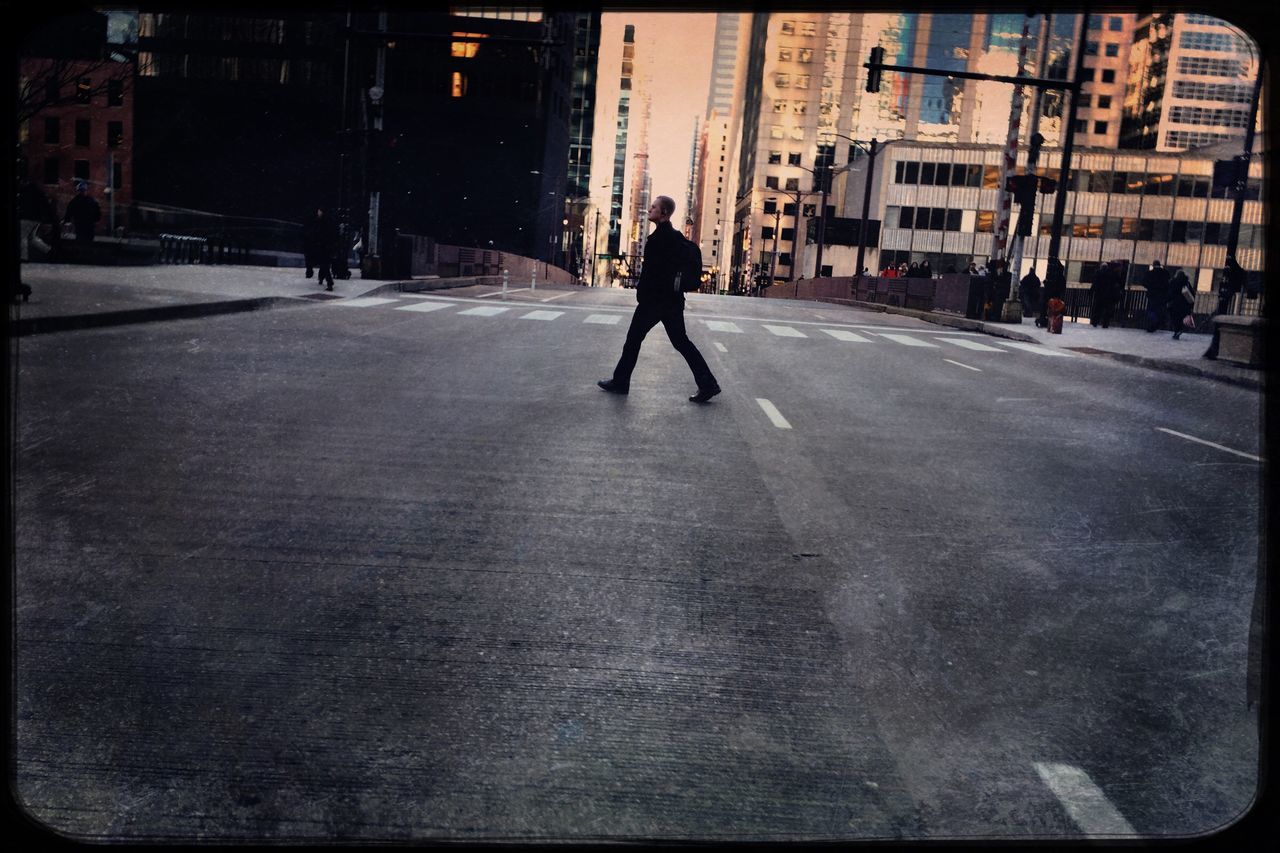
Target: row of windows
x,y
1207,66
53,132
499,13
1219,117
1082,126
946,174
783,80
1111,48
1082,180
777,131
1114,23
797,107
1104,101
802,54
924,218
1108,75
1193,138
775,158
1149,230
1193,89
79,171
804,28
84,92
1220,42
771,182
233,68
1204,20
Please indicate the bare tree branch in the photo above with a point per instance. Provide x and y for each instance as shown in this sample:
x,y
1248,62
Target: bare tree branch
x,y
40,76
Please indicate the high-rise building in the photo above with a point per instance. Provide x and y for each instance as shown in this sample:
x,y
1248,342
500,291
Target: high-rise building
x,y
586,49
1190,83
617,180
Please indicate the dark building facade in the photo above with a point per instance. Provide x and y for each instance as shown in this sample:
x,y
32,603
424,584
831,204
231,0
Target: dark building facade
x,y
586,53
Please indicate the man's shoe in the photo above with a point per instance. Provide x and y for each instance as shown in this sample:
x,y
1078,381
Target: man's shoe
x,y
705,394
310,272
611,386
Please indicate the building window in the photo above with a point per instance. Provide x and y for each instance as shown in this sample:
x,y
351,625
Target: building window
x,y
1104,102
985,223
779,106
458,85
906,217
1108,75
83,87
789,209
1086,100
810,209
1095,22
784,54
775,158
776,131
808,28
781,80
51,170
799,108
766,232
793,184
1091,48
806,54
1115,24
1221,42
912,175
788,234
82,132
52,131
771,182
1099,127
1082,126
115,134
115,93
80,170
770,205
802,81
1111,48
793,158
788,28
1086,74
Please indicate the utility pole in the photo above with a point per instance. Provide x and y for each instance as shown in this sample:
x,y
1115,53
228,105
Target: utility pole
x,y
376,94
1064,174
1012,309
777,226
1033,150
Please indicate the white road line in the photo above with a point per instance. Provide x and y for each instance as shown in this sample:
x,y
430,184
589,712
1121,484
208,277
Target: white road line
x,y
423,306
484,311
720,347
973,345
1210,444
842,335
542,315
362,301
958,364
604,319
722,326
1084,802
558,296
785,331
774,415
1036,348
500,292
905,340
405,295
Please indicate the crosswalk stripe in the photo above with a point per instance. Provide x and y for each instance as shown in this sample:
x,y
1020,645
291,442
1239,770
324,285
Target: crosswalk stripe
x,y
842,335
773,414
721,347
484,310
973,345
423,306
722,326
785,331
362,301
905,340
1036,348
605,319
541,315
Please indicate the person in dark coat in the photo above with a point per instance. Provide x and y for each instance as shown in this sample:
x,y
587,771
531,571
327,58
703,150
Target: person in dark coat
x,y
320,236
82,212
659,300
1055,287
1232,282
1157,285
926,269
1029,292
914,270
1103,292
999,280
1181,302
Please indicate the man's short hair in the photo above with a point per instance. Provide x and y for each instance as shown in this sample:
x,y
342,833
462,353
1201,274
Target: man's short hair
x,y
666,204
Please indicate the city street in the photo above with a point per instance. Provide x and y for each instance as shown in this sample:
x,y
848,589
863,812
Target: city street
x,y
393,567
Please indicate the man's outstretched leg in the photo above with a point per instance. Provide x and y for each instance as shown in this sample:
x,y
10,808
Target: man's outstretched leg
x,y
642,321
673,322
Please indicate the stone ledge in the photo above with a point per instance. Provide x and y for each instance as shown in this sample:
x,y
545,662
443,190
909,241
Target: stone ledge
x,y
1240,339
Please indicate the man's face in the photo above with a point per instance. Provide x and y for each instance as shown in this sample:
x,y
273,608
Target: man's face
x,y
655,213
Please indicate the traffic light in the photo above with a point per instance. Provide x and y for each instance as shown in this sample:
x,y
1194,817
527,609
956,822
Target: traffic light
x,y
873,69
1048,186
1228,173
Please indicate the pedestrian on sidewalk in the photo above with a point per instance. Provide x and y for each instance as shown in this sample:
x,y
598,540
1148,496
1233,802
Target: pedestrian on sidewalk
x,y
1181,303
1103,291
914,270
1232,282
82,212
659,300
1157,285
926,270
1053,297
1029,292
320,236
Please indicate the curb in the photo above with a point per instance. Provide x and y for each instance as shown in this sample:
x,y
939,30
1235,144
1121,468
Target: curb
x,y
937,319
130,316
1253,383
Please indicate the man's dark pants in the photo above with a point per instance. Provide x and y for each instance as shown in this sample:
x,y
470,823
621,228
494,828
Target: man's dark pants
x,y
671,316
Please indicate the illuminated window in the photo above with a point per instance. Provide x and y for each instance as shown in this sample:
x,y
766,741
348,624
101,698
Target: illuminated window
x,y
459,87
465,49
985,223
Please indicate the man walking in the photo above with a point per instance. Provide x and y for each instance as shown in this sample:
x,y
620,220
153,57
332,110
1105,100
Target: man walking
x,y
659,300
320,235
1157,285
82,212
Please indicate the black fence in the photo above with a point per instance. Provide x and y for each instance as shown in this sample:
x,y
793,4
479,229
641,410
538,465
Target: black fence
x,y
1131,310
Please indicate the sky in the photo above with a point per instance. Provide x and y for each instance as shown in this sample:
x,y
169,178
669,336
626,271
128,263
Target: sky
x,y
673,55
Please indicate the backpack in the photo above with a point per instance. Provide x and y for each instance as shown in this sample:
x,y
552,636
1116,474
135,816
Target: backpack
x,y
689,266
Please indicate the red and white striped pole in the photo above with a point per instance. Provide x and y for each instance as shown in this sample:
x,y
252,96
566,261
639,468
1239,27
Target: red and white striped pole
x,y
1009,165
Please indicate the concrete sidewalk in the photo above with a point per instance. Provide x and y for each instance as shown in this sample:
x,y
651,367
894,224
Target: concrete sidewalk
x,y
72,296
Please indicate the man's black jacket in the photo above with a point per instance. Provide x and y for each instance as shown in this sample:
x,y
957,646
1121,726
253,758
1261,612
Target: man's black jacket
x,y
661,262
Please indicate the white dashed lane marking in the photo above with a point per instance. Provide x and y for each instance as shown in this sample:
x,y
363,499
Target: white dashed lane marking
x,y
1083,800
842,335
722,326
973,345
484,311
423,306
1036,348
604,319
720,347
774,415
541,315
966,366
362,301
1210,444
905,340
785,331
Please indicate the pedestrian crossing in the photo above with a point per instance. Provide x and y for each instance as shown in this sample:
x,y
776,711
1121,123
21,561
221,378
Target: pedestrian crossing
x,y
919,340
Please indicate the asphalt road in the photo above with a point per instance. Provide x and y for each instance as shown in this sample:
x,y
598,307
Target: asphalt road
x,y
378,570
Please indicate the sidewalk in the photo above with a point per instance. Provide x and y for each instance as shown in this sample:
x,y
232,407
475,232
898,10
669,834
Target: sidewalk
x,y
72,296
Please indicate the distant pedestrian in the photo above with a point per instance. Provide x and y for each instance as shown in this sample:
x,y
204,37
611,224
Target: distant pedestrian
x,y
926,269
1182,302
972,269
1233,279
659,300
1029,292
82,212
914,270
1157,285
1103,290
889,272
320,236
1053,297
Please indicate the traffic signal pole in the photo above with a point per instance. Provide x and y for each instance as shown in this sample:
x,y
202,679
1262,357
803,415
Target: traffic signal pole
x,y
1011,312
